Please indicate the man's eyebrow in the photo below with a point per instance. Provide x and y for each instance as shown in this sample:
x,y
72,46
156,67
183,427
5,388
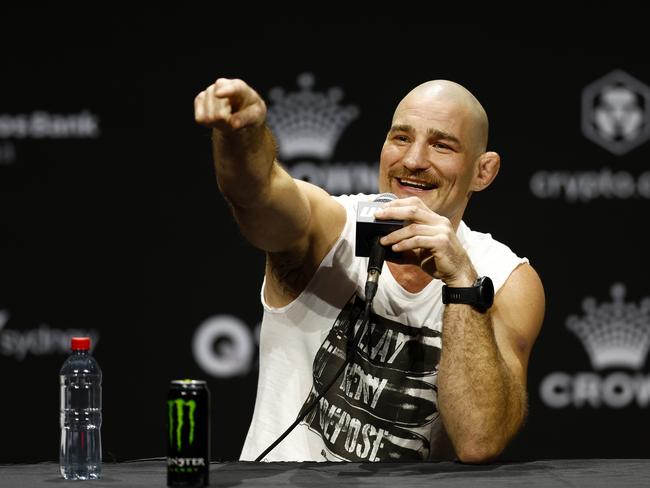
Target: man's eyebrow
x,y
401,128
435,133
441,134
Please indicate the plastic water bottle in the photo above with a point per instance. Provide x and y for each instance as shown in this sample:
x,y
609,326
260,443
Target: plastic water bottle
x,y
81,414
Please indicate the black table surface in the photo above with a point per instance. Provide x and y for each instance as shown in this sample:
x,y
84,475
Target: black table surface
x,y
592,473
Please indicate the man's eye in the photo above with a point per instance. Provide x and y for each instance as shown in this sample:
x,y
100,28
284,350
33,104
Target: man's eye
x,y
402,138
440,145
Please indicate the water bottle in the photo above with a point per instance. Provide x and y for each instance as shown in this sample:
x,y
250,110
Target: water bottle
x,y
81,414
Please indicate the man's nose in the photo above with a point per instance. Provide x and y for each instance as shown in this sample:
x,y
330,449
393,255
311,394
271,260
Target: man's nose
x,y
416,157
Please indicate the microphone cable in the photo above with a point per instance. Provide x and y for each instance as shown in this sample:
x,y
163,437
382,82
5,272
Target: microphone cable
x,y
350,356
375,264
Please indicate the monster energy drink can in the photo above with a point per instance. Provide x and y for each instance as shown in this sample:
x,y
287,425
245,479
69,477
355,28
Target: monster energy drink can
x,y
188,433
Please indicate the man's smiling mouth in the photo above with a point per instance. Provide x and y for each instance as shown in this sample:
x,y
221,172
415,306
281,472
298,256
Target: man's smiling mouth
x,y
417,184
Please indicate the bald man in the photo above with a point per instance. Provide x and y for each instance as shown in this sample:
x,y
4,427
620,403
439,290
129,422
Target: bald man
x,y
428,380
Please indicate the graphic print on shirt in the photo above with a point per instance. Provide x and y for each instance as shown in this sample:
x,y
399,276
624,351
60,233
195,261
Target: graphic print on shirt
x,y
384,403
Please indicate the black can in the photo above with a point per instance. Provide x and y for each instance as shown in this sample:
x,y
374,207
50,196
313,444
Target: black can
x,y
188,433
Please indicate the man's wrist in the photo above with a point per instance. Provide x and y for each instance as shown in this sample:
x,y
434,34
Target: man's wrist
x,y
480,295
465,280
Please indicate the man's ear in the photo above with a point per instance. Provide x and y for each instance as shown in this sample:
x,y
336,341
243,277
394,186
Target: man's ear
x,y
486,170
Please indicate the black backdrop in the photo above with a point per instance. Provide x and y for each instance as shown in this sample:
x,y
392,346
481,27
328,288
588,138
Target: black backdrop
x,y
111,223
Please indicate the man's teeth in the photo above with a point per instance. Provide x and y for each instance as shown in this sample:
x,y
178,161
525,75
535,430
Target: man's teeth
x,y
415,184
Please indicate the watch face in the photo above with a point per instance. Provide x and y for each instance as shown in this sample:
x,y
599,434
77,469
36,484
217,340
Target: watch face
x,y
486,292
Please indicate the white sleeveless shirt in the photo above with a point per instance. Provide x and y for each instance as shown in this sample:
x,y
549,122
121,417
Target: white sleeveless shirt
x,y
383,407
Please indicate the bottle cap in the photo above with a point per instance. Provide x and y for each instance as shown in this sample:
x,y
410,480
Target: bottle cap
x,y
80,343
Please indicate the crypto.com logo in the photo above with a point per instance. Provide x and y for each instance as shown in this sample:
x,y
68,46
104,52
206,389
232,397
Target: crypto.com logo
x,y
616,112
616,336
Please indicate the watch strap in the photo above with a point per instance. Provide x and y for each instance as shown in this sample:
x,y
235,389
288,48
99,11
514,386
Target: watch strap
x,y
467,295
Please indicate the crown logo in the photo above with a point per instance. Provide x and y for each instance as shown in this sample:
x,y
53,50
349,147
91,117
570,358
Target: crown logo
x,y
308,123
616,333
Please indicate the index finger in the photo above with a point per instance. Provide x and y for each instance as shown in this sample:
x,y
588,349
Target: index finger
x,y
407,212
401,202
225,87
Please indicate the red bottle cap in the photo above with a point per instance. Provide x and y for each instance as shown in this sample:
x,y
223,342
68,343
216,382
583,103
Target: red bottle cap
x,y
80,343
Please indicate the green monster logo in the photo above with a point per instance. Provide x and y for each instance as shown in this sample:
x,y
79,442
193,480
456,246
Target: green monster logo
x,y
179,404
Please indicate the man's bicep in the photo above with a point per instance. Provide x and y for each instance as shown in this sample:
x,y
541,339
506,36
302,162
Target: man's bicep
x,y
327,220
294,219
289,271
280,219
517,317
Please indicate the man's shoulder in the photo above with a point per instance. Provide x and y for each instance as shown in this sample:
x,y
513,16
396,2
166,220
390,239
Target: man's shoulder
x,y
354,198
476,241
489,256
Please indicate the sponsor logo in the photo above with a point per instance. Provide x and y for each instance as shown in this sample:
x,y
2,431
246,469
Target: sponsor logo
x,y
41,341
367,210
40,125
308,125
185,463
177,407
585,186
223,346
616,116
182,429
616,112
615,335
45,125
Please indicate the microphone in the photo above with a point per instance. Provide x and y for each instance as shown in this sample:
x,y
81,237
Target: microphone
x,y
369,231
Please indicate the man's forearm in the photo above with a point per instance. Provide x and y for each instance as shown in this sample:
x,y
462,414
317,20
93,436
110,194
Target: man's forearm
x,y
479,401
243,162
270,210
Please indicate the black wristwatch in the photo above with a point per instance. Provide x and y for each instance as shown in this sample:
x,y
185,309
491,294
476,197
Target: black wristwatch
x,y
480,296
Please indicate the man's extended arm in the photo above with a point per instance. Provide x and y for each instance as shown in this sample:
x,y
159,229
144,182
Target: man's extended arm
x,y
270,210
295,222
